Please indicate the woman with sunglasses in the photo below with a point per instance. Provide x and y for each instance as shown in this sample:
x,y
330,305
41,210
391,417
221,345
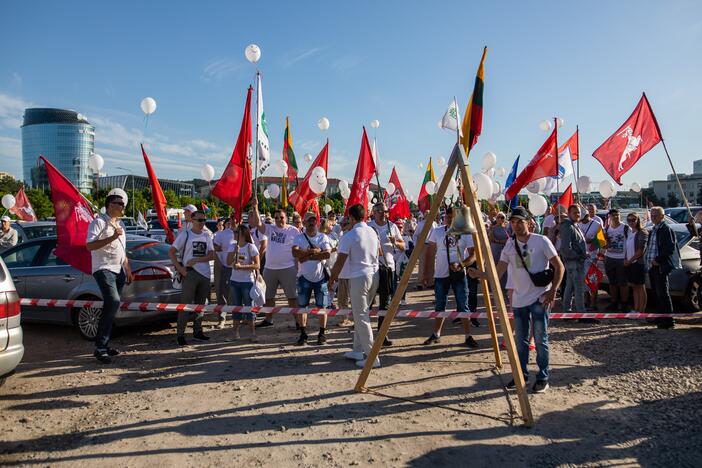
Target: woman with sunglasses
x,y
243,258
634,264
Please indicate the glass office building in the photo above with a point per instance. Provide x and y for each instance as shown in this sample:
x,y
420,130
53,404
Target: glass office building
x,y
65,138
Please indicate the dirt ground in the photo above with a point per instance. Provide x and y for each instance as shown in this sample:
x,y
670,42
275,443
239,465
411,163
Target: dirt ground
x,y
622,393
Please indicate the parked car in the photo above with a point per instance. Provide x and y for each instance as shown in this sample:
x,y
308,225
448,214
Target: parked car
x,y
11,347
680,215
156,231
27,230
684,283
39,274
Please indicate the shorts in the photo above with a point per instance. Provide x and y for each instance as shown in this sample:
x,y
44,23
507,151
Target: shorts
x,y
636,274
614,268
286,278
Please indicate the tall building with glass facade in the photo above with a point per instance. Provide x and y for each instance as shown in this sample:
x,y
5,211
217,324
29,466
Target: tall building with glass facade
x,y
63,137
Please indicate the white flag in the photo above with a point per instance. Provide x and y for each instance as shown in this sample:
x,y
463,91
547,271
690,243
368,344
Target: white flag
x,y
565,163
141,222
451,117
264,154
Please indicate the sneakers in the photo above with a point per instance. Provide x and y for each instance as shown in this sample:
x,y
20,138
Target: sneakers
x,y
432,339
471,343
475,322
302,340
264,324
102,356
387,342
540,386
362,363
200,337
321,339
181,341
354,355
511,383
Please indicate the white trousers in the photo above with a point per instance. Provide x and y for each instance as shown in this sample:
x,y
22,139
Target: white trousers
x,y
362,290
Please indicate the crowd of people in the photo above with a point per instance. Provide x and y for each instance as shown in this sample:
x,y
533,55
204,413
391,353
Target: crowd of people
x,y
357,261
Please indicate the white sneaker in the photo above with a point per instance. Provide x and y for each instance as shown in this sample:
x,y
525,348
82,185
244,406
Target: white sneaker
x,y
362,363
354,355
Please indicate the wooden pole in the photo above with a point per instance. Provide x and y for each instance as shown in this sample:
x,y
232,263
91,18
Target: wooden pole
x,y
456,160
479,260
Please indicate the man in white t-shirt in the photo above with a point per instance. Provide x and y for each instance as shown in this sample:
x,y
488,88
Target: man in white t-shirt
x,y
106,240
310,249
281,266
391,242
221,241
527,254
616,234
592,211
425,269
196,252
451,256
359,247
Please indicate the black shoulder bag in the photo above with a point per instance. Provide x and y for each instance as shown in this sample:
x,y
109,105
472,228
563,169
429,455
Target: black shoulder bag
x,y
541,278
325,269
459,275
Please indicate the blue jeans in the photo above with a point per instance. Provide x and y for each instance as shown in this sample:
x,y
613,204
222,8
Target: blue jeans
x,y
111,285
305,288
523,318
241,296
460,292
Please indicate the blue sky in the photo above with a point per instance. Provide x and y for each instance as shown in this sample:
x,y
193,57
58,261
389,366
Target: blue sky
x,y
398,62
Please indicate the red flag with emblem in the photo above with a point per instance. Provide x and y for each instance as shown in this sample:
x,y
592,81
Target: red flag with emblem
x,y
566,199
23,209
398,205
571,145
73,216
636,137
593,278
544,164
302,195
365,168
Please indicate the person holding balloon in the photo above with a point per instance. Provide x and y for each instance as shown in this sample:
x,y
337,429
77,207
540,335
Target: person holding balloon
x,y
8,236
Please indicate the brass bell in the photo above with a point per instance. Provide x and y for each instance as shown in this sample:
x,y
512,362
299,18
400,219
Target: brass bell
x,y
462,221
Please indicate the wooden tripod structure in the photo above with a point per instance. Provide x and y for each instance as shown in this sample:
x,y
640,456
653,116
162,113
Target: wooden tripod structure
x,y
485,263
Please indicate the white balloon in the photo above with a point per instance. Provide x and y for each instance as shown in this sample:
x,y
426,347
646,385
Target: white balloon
x,y
95,162
375,123
148,105
606,188
549,185
273,190
483,185
452,188
207,172
308,157
327,209
421,165
266,194
323,124
390,188
441,161
430,187
560,122
282,168
319,170
537,205
636,187
545,125
501,172
583,184
496,189
252,53
345,193
8,201
318,181
103,210
489,160
490,172
536,186
121,193
343,184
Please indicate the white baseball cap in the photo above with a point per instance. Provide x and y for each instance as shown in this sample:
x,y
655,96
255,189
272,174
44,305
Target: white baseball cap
x,y
6,218
190,208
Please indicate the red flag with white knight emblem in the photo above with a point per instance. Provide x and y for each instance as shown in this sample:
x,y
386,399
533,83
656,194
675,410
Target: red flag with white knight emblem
x,y
630,142
398,206
23,209
593,278
73,216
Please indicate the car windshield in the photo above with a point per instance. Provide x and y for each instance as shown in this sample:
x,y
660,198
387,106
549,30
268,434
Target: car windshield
x,y
147,251
32,232
128,222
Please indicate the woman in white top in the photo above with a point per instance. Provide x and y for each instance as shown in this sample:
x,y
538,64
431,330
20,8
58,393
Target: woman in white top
x,y
244,261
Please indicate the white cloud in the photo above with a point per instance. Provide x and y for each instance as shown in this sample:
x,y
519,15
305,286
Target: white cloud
x,y
12,111
218,69
11,156
345,63
299,56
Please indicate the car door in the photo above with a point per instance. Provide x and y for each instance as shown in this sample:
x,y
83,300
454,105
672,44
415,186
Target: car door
x,y
19,260
51,278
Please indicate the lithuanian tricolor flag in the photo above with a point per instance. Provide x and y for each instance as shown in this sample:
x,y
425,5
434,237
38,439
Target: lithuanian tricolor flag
x,y
599,241
424,199
473,117
288,153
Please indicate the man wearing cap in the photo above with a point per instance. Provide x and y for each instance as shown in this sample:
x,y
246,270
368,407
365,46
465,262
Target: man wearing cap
x,y
527,255
573,251
106,240
616,233
8,236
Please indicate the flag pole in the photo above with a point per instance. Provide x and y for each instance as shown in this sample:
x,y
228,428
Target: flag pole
x,y
458,125
558,166
577,143
677,179
258,119
377,167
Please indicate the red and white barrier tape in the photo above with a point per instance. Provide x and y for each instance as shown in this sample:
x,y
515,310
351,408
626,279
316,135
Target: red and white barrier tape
x,y
165,307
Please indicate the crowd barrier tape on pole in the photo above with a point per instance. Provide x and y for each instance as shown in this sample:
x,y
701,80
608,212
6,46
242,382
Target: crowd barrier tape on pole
x,y
218,309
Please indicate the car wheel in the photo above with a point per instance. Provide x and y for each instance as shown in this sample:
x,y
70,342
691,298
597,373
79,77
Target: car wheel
x,y
692,297
87,319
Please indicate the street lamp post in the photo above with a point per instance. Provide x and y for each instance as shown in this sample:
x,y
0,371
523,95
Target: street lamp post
x,y
133,200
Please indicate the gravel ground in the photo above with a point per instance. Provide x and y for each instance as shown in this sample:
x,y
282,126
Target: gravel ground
x,y
622,393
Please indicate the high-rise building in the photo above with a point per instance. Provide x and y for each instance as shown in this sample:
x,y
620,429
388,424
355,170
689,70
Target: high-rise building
x,y
65,138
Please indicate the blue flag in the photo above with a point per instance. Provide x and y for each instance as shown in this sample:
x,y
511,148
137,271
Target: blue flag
x,y
510,178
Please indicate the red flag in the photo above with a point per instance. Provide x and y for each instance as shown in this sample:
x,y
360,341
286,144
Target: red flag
x,y
73,216
593,278
313,206
234,187
23,209
365,168
630,142
544,164
302,195
157,197
397,201
566,198
573,145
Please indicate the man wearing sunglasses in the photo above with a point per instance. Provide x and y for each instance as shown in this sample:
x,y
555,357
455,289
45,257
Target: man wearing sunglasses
x,y
106,240
196,251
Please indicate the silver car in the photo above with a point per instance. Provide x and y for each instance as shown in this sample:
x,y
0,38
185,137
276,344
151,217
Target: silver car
x,y
39,274
11,347
27,230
